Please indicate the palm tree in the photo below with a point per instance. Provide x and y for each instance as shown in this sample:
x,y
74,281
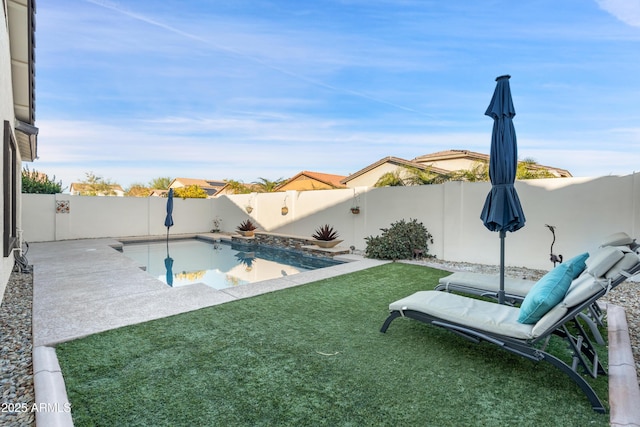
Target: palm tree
x,y
264,185
426,176
390,179
161,183
478,172
238,187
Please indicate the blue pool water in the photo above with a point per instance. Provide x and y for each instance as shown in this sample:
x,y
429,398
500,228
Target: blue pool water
x,y
219,265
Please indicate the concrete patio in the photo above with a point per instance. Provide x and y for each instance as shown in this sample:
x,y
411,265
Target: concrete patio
x,y
82,287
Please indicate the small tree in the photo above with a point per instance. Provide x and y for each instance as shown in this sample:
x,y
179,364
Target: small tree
x,y
190,192
34,182
137,190
95,185
399,241
161,183
529,169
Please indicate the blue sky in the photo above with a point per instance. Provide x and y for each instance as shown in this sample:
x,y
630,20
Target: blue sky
x,y
135,90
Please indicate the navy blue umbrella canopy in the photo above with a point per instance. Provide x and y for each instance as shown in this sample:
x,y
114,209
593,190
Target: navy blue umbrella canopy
x,y
168,265
168,221
502,210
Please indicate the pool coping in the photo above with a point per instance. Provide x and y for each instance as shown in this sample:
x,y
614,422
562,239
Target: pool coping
x,y
50,391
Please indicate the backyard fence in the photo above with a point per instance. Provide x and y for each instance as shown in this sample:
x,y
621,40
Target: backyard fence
x,y
583,211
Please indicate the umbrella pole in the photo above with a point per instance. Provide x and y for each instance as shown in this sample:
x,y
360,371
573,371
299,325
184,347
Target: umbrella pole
x,y
501,291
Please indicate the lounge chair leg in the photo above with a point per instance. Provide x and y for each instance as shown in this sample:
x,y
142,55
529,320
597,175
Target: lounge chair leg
x,y
593,327
392,316
595,401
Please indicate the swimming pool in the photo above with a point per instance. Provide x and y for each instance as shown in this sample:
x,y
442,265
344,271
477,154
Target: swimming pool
x,y
218,264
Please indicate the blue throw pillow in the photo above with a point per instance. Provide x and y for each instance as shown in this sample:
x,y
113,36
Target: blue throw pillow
x,y
551,289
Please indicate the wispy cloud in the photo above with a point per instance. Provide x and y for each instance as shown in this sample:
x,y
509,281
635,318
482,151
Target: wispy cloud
x,y
627,11
129,90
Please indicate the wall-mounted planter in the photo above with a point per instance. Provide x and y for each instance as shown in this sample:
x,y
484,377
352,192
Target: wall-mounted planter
x,y
355,211
284,210
249,209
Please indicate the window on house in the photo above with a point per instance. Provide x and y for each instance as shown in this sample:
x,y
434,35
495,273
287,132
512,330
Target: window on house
x,y
9,190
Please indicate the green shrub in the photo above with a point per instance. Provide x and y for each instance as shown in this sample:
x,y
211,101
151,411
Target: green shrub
x,y
399,241
34,182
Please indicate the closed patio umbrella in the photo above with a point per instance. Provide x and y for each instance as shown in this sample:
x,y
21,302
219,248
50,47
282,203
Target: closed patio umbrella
x,y
502,211
168,221
168,265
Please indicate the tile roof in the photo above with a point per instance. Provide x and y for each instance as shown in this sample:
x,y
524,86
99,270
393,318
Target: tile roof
x,y
326,178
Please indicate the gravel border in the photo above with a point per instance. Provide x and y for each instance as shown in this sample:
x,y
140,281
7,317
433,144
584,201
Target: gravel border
x,y
16,366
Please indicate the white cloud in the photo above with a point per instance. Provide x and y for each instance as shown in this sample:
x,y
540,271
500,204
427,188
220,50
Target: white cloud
x,y
627,11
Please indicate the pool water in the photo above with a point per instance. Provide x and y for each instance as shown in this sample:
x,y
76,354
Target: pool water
x,y
219,265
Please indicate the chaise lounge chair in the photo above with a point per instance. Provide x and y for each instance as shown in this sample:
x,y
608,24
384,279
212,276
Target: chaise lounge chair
x,y
487,285
548,309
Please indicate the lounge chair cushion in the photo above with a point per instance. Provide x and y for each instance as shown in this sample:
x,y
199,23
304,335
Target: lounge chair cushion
x,y
626,262
474,313
549,319
617,239
602,260
469,281
582,288
550,289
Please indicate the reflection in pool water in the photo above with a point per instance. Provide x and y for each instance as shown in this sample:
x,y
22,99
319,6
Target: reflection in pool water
x,y
219,265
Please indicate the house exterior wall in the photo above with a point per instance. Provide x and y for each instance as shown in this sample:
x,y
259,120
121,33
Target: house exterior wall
x,y
6,114
453,164
369,178
583,210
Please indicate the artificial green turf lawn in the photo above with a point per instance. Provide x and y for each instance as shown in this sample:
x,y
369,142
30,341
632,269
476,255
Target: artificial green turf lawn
x,y
313,355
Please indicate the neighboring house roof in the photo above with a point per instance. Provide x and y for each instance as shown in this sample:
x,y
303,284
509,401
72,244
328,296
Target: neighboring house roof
x,y
210,186
442,158
452,154
307,180
77,188
155,192
396,161
441,162
21,23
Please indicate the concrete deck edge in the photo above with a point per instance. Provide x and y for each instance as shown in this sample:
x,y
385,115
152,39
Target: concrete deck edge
x,y
624,391
54,409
